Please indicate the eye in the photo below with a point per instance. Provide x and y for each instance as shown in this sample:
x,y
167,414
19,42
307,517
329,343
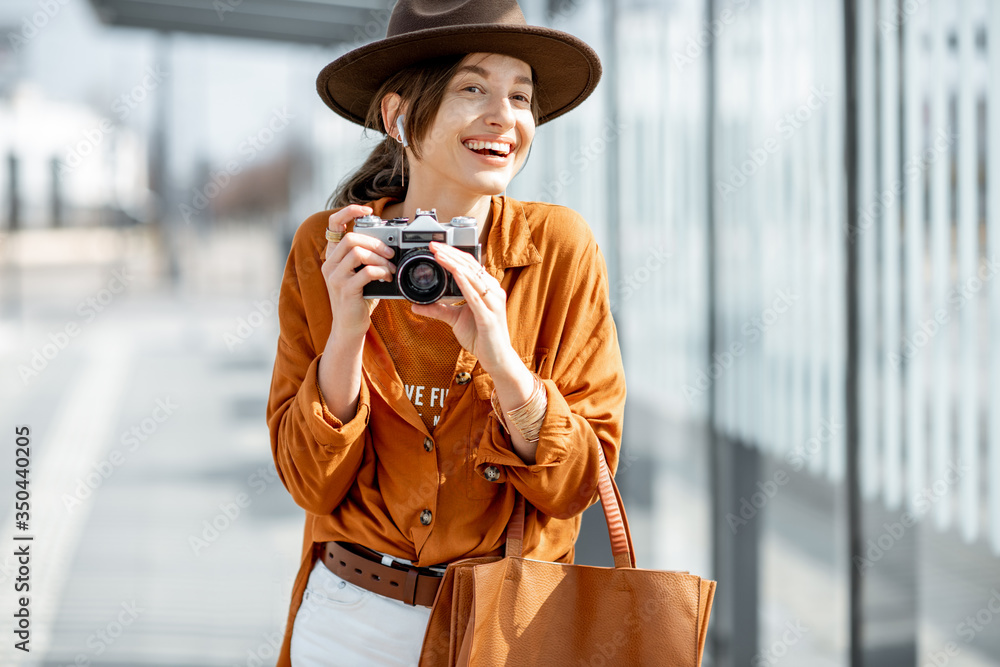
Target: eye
x,y
524,98
473,87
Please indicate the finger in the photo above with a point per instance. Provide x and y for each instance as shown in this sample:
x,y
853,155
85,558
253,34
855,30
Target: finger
x,y
471,284
353,282
353,240
472,293
365,275
456,257
438,311
355,259
337,222
361,256
459,262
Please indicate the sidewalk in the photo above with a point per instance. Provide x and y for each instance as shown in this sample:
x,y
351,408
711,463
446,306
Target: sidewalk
x,y
161,534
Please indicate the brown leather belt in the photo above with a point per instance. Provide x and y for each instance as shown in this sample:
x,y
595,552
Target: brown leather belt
x,y
363,567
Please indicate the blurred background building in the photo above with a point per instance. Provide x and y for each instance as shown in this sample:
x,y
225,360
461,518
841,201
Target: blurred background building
x,y
802,226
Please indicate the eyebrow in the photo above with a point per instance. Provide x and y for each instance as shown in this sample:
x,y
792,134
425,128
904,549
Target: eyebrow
x,y
475,69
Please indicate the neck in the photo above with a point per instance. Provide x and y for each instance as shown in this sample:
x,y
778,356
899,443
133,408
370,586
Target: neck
x,y
447,201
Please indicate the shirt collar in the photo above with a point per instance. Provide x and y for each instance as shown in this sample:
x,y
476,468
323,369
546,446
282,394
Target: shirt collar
x,y
509,243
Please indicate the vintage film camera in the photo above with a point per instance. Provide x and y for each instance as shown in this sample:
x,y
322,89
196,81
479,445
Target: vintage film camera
x,y
419,278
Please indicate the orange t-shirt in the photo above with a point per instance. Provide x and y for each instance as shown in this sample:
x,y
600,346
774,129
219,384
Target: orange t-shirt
x,y
424,352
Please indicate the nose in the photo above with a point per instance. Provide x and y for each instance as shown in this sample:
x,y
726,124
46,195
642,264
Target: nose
x,y
500,113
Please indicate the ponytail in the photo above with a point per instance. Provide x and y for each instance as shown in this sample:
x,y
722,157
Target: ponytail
x,y
381,175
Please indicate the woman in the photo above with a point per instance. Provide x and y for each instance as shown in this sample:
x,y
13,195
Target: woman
x,y
406,430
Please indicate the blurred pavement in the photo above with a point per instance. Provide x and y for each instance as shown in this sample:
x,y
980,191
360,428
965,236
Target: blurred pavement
x,y
148,435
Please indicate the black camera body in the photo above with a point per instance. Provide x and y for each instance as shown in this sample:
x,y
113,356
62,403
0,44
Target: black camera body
x,y
419,278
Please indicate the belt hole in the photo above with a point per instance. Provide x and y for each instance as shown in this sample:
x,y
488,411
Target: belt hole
x,y
343,564
358,571
376,577
393,583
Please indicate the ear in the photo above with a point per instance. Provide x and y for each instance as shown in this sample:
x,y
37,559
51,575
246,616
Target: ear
x,y
391,104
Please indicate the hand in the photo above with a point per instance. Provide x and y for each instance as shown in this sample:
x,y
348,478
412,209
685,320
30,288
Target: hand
x,y
480,326
351,311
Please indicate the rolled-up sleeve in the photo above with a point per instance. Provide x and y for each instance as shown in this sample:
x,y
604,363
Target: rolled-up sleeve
x,y
316,455
586,402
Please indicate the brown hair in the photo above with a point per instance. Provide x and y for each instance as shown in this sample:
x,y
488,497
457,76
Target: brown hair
x,y
421,87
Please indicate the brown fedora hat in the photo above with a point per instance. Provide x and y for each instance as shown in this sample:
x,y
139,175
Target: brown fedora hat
x,y
567,69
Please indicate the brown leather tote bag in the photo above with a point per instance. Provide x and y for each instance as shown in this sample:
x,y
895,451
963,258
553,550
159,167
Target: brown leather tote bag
x,y
520,612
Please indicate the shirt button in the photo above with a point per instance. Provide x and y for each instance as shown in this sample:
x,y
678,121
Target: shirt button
x,y
428,444
492,473
463,378
425,517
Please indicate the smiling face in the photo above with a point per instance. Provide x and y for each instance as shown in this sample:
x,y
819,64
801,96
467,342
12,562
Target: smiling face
x,y
483,129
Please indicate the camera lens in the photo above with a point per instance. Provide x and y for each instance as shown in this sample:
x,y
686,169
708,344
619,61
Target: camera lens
x,y
421,279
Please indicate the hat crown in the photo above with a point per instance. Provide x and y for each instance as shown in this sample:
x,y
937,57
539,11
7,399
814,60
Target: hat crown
x,y
412,15
565,67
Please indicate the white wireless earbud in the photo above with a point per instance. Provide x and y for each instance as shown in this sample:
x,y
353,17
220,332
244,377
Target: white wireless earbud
x,y
402,133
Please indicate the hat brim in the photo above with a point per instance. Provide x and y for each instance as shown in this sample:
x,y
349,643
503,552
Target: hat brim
x,y
566,68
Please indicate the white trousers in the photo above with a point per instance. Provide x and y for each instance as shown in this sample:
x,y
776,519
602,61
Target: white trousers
x,y
341,624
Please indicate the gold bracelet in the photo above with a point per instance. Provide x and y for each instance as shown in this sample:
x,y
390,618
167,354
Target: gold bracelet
x,y
529,417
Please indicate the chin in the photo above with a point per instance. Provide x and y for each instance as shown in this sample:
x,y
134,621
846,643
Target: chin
x,y
489,188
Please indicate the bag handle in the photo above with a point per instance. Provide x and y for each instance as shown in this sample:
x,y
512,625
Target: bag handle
x,y
614,515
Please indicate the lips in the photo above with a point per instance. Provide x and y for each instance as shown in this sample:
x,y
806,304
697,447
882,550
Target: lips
x,y
488,148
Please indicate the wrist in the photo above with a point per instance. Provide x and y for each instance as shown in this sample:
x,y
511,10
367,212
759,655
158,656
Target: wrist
x,y
339,376
344,344
513,381
526,419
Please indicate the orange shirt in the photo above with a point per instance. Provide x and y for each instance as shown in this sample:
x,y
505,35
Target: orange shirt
x,y
368,480
423,351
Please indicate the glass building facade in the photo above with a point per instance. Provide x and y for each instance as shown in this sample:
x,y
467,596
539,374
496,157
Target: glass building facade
x,y
793,199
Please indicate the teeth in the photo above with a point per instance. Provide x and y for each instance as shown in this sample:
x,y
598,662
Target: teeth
x,y
491,145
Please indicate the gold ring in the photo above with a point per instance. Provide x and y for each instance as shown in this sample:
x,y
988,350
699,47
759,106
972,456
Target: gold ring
x,y
334,236
485,292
